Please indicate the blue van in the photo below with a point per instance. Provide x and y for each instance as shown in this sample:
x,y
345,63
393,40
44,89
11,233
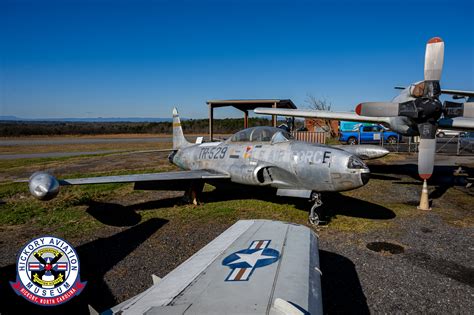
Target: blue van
x,y
369,133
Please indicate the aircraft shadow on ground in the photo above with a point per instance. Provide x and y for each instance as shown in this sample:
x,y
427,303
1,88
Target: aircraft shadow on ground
x,y
118,215
442,177
97,258
340,284
442,174
338,204
333,204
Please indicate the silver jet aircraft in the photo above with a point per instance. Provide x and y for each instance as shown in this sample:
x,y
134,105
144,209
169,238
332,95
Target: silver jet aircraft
x,y
259,156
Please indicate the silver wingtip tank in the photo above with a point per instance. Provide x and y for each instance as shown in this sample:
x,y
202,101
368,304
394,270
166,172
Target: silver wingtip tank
x,y
43,186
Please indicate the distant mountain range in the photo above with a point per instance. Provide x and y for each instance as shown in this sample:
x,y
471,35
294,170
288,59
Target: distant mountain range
x,y
98,119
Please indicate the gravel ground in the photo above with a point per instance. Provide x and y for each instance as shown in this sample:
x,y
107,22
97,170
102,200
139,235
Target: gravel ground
x,y
433,274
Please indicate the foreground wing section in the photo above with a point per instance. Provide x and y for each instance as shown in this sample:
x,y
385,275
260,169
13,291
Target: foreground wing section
x,y
320,114
254,267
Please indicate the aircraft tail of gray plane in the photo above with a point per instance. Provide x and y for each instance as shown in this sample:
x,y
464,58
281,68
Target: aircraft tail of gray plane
x,y
179,141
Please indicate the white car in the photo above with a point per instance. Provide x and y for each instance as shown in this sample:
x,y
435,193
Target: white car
x,y
447,133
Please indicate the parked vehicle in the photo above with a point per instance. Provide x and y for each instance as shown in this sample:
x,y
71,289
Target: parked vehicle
x,y
369,134
447,133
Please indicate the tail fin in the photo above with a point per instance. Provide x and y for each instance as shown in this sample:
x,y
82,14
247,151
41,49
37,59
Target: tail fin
x,y
179,141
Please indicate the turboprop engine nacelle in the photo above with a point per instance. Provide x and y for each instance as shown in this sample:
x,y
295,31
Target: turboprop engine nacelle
x,y
43,186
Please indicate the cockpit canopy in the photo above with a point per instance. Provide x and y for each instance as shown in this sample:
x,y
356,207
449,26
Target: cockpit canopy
x,y
262,134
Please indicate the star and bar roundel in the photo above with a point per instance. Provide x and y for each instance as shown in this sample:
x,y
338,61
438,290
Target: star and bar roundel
x,y
244,262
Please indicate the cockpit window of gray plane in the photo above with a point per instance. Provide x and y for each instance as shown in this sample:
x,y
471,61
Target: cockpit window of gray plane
x,y
240,136
261,134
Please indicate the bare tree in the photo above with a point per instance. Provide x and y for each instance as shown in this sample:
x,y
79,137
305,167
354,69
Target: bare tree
x,y
324,105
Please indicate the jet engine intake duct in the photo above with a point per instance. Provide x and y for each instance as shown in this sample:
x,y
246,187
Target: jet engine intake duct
x,y
251,175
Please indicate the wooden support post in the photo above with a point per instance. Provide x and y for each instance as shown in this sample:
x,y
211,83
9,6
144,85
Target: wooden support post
x,y
211,119
274,117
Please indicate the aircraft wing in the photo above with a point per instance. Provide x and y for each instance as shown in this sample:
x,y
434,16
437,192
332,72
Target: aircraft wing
x,y
254,267
45,186
152,177
309,113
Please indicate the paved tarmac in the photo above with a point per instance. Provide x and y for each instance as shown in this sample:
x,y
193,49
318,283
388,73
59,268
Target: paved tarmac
x,y
18,142
52,154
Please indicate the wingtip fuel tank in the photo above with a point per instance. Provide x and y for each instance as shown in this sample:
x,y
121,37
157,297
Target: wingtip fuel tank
x,y
43,186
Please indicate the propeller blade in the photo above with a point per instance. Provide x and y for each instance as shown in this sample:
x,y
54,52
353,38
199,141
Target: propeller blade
x,y
434,57
426,149
426,155
377,109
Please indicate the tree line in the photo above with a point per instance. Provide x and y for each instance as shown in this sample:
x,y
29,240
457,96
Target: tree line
x,y
46,128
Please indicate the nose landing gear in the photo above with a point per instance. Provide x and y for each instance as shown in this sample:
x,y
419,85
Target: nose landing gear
x,y
315,214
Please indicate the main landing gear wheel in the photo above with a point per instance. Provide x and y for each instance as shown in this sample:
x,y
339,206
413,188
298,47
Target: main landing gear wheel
x,y
193,193
315,214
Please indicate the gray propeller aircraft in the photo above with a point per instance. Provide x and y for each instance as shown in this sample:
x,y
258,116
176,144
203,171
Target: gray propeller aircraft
x,y
417,111
259,156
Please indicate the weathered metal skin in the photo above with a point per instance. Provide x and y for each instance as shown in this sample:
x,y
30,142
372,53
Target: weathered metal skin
x,y
280,164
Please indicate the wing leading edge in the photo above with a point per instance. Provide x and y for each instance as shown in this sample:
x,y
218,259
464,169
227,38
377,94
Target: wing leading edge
x,y
309,113
151,177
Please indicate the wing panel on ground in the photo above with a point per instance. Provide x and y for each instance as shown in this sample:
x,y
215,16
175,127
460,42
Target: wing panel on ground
x,y
254,267
152,177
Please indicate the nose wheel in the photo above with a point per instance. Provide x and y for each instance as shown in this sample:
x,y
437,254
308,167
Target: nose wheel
x,y
315,214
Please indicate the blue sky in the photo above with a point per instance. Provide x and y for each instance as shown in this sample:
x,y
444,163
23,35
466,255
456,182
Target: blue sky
x,y
140,58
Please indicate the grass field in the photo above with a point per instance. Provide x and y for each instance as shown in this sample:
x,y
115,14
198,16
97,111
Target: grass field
x,y
70,213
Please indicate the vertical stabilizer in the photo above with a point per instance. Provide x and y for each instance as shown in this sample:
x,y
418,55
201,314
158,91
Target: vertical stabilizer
x,y
179,141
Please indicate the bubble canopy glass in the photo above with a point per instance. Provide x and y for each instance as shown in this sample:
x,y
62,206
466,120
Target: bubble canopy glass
x,y
261,134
